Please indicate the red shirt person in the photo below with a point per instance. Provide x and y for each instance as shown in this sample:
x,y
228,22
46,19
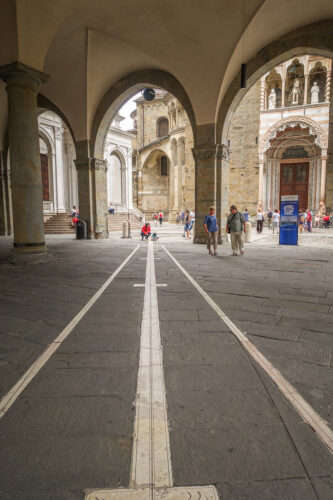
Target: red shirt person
x,y
145,231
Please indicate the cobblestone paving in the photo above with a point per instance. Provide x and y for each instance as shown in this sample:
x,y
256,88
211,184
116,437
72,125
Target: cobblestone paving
x,y
72,427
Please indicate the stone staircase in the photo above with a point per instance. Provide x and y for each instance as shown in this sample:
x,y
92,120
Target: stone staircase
x,y
62,224
115,222
59,224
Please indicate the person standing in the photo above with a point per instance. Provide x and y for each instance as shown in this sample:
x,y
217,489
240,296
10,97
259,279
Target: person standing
x,y
178,218
155,218
260,221
246,215
309,221
183,217
211,228
192,215
300,221
160,217
269,217
236,227
187,224
276,220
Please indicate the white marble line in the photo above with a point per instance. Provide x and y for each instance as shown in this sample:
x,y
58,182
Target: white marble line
x,y
151,464
151,470
10,398
309,415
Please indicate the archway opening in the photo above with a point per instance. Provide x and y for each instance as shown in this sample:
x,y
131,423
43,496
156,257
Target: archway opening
x,y
148,153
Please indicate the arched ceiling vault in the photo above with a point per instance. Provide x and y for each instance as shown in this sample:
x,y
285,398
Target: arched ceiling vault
x,y
87,47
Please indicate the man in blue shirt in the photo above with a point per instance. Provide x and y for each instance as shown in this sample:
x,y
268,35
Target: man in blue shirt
x,y
212,228
246,215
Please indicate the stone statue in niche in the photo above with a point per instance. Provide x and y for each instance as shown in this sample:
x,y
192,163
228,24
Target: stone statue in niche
x,y
272,100
296,92
314,93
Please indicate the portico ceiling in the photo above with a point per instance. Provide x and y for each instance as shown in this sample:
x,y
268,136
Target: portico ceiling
x,y
87,46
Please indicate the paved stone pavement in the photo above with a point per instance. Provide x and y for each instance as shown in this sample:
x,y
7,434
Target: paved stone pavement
x,y
72,427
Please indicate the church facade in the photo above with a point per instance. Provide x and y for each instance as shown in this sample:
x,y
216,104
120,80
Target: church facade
x,y
278,138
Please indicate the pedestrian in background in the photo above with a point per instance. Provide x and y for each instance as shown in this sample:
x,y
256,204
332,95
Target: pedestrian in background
x,y
276,221
160,217
237,228
269,217
260,221
187,224
246,215
211,228
309,221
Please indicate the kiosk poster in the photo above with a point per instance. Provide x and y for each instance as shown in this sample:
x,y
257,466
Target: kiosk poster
x,y
288,220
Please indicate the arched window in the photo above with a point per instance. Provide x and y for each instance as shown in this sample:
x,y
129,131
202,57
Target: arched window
x,y
164,165
162,127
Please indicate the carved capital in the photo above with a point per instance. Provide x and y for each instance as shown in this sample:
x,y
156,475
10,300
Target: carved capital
x,y
91,164
211,152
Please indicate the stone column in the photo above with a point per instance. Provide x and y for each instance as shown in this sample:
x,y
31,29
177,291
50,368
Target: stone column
x,y
328,83
59,173
26,178
93,201
262,94
211,182
5,219
306,87
323,182
283,92
261,182
139,183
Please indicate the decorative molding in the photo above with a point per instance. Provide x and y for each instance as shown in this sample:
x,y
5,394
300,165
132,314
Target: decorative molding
x,y
321,139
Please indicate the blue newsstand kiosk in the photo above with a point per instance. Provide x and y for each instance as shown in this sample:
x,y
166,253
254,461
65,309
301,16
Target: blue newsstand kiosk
x,y
289,220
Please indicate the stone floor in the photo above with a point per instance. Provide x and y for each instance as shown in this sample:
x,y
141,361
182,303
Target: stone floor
x,y
71,429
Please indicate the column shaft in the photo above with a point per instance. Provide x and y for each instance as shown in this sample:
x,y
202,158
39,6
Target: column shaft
x,y
26,179
211,186
93,201
323,183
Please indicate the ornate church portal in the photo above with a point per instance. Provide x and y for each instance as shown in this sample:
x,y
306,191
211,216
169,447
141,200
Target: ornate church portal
x,y
293,132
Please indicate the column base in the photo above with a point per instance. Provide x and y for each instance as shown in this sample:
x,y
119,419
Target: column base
x,y
29,248
26,257
104,235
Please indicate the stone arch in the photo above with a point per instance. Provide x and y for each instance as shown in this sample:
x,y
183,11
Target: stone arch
x,y
44,104
126,88
314,39
304,122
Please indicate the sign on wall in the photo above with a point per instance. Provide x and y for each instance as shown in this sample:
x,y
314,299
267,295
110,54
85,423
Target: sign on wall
x,y
288,220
